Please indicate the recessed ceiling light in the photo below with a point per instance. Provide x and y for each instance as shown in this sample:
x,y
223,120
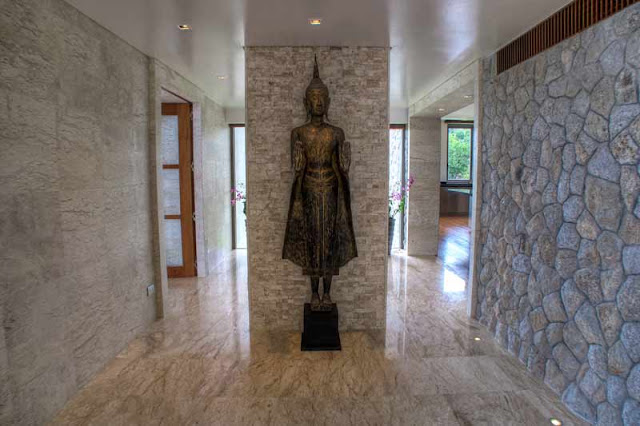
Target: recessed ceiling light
x,y
315,21
184,27
476,339
441,110
555,422
468,96
222,77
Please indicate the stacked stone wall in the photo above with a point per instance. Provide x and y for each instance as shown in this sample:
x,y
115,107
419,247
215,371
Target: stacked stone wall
x,y
559,279
358,81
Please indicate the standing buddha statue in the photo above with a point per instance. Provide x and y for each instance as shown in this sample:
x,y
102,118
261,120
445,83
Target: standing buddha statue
x,y
319,235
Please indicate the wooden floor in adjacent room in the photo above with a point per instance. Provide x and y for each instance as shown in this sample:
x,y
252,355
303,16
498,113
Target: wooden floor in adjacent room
x,y
454,246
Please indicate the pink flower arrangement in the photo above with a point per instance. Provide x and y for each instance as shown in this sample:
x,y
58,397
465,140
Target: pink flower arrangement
x,y
238,196
398,198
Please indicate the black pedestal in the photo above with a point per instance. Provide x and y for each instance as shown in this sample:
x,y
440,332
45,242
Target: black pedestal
x,y
320,330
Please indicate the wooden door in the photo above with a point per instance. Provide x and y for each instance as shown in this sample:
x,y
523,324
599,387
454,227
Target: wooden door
x,y
177,173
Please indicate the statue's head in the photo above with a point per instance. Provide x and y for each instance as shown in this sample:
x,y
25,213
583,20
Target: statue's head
x,y
316,97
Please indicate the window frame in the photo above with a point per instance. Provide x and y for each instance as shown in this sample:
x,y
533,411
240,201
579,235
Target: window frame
x,y
459,124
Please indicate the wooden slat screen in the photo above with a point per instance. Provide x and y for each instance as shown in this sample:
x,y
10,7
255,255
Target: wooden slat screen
x,y
572,19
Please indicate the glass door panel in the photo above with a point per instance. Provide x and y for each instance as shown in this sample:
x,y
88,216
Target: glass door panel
x,y
171,191
177,189
173,242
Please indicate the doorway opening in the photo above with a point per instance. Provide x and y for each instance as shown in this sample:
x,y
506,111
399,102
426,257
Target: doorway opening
x,y
178,187
239,186
456,191
398,183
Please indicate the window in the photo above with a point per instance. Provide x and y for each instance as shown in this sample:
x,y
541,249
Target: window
x,y
459,144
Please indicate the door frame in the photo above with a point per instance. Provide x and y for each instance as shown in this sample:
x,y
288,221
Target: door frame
x,y
162,81
184,112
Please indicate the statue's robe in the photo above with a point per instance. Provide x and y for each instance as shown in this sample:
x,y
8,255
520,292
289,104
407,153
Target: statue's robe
x,y
319,235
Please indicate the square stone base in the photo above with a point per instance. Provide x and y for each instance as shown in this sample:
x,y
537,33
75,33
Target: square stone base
x,y
320,330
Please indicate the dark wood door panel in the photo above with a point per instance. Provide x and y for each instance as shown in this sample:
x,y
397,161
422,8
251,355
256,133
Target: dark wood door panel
x,y
185,170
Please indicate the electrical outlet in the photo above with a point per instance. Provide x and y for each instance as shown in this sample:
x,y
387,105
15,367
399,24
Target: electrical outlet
x,y
151,288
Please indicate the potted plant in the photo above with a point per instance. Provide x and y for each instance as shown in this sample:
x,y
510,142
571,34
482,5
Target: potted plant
x,y
397,204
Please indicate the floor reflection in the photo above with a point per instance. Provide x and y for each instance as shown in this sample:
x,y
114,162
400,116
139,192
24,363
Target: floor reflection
x,y
452,283
454,243
202,365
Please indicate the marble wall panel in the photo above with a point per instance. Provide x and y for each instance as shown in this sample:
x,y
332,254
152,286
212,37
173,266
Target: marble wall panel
x,y
358,83
78,235
558,259
217,184
424,204
75,234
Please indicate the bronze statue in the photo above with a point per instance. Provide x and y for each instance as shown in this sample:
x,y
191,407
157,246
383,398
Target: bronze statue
x,y
319,235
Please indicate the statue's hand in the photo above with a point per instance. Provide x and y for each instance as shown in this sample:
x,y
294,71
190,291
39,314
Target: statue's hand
x,y
345,156
298,156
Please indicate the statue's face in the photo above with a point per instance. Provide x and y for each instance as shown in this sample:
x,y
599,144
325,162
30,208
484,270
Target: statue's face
x,y
318,101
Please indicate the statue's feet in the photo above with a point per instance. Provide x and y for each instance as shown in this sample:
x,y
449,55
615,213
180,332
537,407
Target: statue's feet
x,y
327,303
316,304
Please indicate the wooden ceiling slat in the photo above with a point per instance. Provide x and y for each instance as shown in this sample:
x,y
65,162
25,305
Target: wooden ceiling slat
x,y
571,20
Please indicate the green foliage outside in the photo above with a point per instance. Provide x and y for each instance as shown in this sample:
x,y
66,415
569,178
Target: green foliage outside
x,y
459,154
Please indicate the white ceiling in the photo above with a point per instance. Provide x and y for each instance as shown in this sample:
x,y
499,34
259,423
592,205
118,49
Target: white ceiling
x,y
430,39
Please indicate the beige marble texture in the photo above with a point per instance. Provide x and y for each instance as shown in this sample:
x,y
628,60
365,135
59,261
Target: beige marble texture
x,y
202,365
75,222
424,197
77,248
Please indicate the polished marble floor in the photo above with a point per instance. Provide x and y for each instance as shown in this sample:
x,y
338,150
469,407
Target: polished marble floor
x,y
202,365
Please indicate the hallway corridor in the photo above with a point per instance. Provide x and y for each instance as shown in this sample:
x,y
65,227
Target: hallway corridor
x,y
201,365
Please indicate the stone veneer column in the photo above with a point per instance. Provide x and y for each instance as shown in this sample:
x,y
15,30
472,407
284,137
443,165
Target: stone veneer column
x,y
358,81
424,198
559,280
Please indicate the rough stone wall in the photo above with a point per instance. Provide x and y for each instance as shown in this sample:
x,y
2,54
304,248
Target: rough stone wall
x,y
424,166
358,83
75,217
559,279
